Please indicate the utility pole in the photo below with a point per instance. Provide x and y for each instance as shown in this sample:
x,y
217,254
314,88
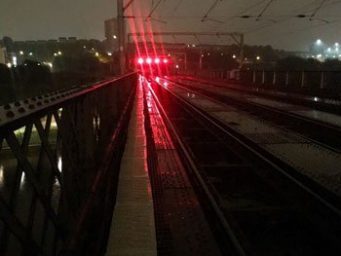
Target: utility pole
x,y
121,35
241,53
200,60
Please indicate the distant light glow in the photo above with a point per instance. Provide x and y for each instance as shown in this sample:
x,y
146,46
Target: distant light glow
x,y
97,54
60,163
149,60
234,56
1,175
109,54
140,61
165,61
21,52
9,65
318,42
157,60
177,66
49,64
114,36
14,61
60,53
258,57
22,179
31,54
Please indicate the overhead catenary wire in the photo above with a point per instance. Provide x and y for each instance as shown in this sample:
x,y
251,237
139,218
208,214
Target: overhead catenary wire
x,y
264,10
317,9
210,10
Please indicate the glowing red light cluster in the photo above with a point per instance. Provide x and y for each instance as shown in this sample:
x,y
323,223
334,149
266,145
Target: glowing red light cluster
x,y
149,60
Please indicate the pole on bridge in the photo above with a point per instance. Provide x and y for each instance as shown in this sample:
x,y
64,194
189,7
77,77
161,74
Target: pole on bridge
x,y
121,35
241,51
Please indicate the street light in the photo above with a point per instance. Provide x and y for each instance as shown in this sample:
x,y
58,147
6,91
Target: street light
x,y
318,42
60,53
257,58
21,53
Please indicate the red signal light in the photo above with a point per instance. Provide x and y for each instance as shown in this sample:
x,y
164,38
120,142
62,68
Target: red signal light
x,y
165,61
157,60
149,60
140,61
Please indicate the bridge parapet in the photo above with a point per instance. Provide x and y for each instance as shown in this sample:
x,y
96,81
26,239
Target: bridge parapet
x,y
59,156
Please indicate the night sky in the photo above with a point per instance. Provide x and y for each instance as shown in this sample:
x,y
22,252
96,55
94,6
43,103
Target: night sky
x,y
277,26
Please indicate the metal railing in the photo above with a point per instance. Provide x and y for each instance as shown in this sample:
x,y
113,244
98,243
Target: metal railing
x,y
305,79
59,156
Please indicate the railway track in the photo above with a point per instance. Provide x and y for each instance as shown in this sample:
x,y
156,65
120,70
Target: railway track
x,y
261,208
322,104
326,134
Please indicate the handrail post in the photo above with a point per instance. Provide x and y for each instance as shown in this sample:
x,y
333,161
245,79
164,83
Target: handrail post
x,y
322,80
302,79
287,78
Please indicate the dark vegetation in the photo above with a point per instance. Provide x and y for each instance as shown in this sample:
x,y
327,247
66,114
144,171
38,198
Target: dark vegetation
x,y
34,78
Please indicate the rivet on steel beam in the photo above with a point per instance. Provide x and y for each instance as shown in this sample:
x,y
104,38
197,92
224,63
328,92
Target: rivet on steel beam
x,y
21,110
10,114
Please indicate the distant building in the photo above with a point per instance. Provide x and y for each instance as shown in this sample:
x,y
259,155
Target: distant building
x,y
47,50
110,31
110,27
2,55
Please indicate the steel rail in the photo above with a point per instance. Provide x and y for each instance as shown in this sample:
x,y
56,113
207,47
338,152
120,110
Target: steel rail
x,y
219,214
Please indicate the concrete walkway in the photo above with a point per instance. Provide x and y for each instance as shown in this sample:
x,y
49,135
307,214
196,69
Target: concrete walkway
x,y
133,228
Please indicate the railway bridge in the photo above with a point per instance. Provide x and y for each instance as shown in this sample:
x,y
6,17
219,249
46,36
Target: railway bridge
x,y
176,165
